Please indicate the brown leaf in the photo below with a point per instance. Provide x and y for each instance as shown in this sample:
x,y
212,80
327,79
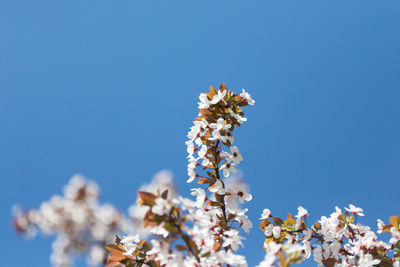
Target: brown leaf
x,y
395,221
208,115
205,181
147,198
212,203
115,257
113,247
222,87
264,223
329,262
290,220
212,90
217,246
181,247
386,228
277,221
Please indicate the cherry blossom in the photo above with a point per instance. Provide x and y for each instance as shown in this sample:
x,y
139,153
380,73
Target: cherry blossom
x,y
354,210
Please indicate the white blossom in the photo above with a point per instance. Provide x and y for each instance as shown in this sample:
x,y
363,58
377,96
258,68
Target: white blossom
x,y
354,210
247,97
266,214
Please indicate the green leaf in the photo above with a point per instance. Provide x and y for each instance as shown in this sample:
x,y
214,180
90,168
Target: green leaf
x,y
211,175
171,228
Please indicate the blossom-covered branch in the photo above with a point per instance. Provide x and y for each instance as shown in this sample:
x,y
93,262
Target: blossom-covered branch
x,y
334,241
204,232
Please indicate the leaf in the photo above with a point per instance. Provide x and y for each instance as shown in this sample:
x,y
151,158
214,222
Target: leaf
x,y
395,221
264,223
212,90
181,247
329,262
231,217
147,198
115,257
171,228
208,115
191,244
217,246
227,143
386,228
141,243
212,203
211,175
240,101
207,254
113,247
282,258
148,223
290,220
222,87
317,226
205,181
278,221
171,238
164,194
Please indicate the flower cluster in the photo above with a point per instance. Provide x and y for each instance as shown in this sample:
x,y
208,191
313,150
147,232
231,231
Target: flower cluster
x,y
220,112
204,231
80,223
161,181
334,241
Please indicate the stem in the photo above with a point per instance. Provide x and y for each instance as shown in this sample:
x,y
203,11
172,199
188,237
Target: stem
x,y
187,242
222,197
216,170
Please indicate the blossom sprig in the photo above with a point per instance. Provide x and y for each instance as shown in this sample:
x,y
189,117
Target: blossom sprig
x,y
212,140
334,241
185,233
219,112
204,232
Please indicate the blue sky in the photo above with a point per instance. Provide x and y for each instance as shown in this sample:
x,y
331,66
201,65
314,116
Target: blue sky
x,y
109,89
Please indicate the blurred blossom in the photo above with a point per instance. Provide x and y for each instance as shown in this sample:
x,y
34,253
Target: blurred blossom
x,y
81,223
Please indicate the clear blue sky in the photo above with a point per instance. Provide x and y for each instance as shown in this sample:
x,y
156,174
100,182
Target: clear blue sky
x,y
109,89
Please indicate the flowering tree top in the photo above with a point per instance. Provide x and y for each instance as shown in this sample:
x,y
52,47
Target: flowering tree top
x,y
165,229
